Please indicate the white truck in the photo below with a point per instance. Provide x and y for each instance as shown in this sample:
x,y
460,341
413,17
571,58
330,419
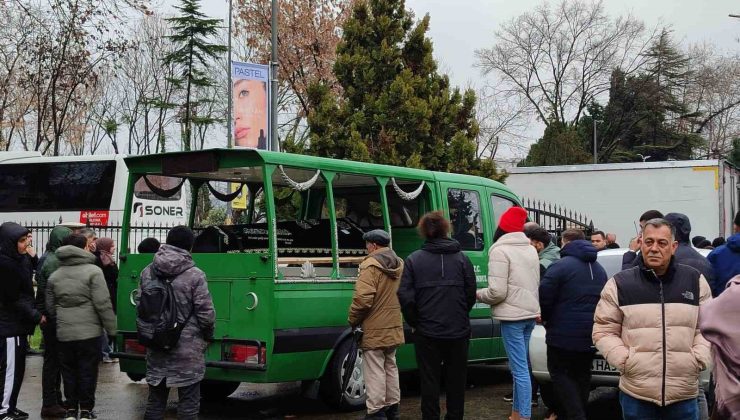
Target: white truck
x,y
614,195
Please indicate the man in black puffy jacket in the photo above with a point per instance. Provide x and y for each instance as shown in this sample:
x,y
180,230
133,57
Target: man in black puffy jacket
x,y
436,295
18,316
569,293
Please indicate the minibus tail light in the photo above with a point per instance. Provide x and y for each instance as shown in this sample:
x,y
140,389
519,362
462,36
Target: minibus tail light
x,y
132,345
251,353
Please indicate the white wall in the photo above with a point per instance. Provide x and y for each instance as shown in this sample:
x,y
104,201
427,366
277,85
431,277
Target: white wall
x,y
614,199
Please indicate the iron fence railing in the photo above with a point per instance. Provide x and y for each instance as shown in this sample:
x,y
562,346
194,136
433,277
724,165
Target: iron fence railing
x,y
557,219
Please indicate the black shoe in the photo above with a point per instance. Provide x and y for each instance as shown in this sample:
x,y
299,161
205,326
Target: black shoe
x,y
393,412
18,414
509,397
87,414
71,415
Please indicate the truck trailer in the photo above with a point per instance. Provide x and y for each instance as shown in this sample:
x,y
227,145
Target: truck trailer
x,y
614,195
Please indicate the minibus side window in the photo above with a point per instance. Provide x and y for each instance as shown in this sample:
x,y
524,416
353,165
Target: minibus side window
x,y
465,217
500,205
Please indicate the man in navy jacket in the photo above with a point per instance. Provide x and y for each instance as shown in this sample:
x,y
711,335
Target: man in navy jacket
x,y
725,260
569,293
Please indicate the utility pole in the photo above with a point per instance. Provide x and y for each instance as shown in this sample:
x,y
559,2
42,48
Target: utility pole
x,y
596,157
229,128
274,80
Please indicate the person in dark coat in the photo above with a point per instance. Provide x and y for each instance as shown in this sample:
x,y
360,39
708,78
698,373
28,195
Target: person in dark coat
x,y
725,260
436,295
104,251
630,258
18,316
184,366
569,293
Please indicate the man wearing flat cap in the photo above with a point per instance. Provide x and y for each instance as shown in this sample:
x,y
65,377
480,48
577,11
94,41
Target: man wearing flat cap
x,y
375,306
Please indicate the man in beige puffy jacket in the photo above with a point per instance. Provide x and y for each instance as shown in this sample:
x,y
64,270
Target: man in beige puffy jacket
x,y
646,326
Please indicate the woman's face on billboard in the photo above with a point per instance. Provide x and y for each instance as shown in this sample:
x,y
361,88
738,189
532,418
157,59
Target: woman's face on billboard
x,y
250,112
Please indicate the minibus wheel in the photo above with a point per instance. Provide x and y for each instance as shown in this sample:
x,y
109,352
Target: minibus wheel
x,y
353,397
217,390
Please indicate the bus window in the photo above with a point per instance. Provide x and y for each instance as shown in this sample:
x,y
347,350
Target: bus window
x,y
500,205
408,200
60,186
465,216
142,190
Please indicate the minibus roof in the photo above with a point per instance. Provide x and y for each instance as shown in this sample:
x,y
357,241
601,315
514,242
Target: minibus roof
x,y
223,164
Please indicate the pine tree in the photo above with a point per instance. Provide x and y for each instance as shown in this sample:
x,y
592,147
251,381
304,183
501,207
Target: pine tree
x,y
192,31
395,108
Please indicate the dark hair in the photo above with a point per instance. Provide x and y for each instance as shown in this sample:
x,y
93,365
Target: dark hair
x,y
75,239
570,235
598,232
651,214
538,234
696,240
657,223
148,246
181,237
719,241
434,225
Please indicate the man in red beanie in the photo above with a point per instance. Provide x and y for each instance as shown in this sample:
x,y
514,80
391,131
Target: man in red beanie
x,y
512,292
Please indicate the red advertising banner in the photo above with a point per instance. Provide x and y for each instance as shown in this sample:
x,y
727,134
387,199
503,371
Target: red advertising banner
x,y
94,217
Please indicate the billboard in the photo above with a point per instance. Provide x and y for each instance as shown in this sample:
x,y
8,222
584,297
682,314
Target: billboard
x,y
250,105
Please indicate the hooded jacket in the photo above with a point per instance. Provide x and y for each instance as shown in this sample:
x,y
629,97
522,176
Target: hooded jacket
x,y
48,263
725,261
548,255
438,290
647,327
718,324
569,293
375,303
185,364
18,316
513,279
77,297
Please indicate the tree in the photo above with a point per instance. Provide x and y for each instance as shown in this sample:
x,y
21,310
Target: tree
x,y
394,107
559,59
192,31
309,34
561,144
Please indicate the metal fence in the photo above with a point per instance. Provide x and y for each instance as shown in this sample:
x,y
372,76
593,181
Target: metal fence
x,y
41,231
557,219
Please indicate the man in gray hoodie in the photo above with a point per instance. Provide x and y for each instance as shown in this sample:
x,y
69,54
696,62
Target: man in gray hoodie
x,y
184,366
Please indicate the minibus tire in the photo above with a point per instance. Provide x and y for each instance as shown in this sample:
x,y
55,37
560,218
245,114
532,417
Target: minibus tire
x,y
211,390
136,377
331,382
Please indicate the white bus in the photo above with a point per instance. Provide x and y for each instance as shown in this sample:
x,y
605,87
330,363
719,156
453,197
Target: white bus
x,y
39,190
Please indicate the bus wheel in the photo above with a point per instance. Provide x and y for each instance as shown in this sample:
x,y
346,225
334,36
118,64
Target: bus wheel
x,y
136,377
354,395
217,390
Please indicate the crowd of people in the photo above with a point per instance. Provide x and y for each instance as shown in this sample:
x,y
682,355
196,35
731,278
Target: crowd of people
x,y
666,316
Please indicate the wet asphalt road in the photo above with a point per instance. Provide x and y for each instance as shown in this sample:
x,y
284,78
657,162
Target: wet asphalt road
x,y
120,398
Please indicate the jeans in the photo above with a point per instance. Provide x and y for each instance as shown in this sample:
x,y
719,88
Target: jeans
x,y
432,356
105,348
188,401
381,378
634,409
80,360
51,372
571,377
516,335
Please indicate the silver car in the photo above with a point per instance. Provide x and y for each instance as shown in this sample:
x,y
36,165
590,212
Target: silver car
x,y
602,374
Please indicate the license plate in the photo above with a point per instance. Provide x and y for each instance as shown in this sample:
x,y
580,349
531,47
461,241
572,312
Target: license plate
x,y
601,366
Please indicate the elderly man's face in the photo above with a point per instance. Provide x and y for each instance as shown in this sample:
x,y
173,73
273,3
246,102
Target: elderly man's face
x,y
657,247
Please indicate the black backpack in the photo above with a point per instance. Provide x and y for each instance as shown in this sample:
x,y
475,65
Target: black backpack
x,y
157,325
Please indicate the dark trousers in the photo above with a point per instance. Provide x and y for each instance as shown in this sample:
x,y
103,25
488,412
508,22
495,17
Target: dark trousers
x,y
432,356
80,360
635,409
51,374
188,401
12,369
571,377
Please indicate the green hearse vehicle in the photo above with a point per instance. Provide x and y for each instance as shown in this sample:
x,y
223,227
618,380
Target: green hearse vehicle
x,y
282,276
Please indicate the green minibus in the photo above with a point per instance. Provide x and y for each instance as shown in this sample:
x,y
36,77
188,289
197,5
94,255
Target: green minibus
x,y
282,272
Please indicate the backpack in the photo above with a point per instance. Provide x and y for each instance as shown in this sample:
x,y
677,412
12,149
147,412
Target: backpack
x,y
157,326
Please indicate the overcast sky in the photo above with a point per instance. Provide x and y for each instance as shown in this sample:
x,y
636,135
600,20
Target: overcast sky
x,y
460,27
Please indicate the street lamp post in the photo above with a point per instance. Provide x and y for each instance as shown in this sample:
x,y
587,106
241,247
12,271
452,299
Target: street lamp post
x,y
229,129
596,156
274,80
